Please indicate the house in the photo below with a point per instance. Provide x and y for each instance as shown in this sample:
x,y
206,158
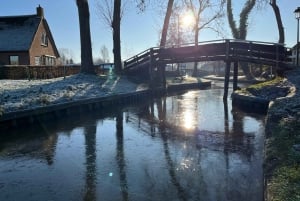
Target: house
x,y
27,40
293,57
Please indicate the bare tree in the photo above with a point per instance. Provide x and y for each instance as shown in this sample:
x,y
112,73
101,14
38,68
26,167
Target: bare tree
x,y
66,55
105,11
205,12
276,10
111,12
104,55
116,25
163,39
241,31
85,37
175,34
164,32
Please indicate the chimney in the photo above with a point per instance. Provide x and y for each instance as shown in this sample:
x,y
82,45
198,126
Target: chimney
x,y
40,11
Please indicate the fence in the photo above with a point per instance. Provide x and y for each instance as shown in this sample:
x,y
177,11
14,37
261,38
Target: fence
x,y
42,72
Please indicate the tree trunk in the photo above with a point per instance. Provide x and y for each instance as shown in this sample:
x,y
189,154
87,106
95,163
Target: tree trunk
x,y
241,31
116,24
195,71
164,33
279,21
85,37
163,39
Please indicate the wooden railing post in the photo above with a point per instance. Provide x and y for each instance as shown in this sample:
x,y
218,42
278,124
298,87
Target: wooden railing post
x,y
235,75
277,56
227,48
151,64
250,49
226,80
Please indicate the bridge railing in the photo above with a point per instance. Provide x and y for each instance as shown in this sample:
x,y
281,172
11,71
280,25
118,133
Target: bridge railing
x,y
193,44
255,50
234,49
141,58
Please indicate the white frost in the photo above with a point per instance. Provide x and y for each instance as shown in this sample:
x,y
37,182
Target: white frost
x,y
23,94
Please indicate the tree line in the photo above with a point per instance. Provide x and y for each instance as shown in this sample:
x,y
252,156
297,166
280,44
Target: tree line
x,y
206,14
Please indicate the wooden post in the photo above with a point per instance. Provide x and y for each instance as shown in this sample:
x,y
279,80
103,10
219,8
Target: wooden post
x,y
164,81
226,80
227,48
277,57
151,68
64,71
235,75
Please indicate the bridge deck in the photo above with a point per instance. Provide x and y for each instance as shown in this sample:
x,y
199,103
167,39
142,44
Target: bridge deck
x,y
227,50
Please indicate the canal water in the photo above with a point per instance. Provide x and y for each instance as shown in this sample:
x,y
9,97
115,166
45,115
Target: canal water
x,y
185,147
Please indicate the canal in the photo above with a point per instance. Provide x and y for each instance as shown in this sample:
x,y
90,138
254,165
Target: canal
x,y
185,147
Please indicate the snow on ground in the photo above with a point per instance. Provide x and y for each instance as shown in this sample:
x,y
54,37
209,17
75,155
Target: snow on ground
x,y
24,94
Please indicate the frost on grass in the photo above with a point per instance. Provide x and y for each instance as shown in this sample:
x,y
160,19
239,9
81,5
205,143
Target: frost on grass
x,y
23,94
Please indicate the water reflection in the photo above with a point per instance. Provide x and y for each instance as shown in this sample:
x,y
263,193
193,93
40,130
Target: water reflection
x,y
120,157
90,154
189,146
161,109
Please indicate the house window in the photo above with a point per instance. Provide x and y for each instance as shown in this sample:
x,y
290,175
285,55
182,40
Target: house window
x,y
37,61
44,39
14,60
48,60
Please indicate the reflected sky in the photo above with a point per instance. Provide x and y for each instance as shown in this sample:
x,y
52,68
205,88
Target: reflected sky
x,y
182,147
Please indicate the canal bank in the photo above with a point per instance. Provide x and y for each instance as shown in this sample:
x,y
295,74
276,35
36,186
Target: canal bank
x,y
282,143
31,101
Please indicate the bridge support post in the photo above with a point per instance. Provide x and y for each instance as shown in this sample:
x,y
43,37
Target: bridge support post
x,y
235,75
151,68
226,80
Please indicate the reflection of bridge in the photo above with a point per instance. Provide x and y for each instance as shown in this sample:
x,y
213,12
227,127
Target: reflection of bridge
x,y
235,51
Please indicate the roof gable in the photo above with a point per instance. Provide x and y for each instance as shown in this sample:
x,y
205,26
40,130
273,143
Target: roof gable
x,y
50,37
17,32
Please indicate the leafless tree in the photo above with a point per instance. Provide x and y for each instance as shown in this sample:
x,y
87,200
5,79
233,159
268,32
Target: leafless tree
x,y
111,12
85,37
105,11
241,31
163,39
66,55
276,10
116,25
164,33
205,12
104,55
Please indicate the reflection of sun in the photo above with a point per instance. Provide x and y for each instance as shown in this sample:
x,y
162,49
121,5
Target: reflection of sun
x,y
188,120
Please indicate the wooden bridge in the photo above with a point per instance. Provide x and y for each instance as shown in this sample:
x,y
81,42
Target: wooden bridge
x,y
228,50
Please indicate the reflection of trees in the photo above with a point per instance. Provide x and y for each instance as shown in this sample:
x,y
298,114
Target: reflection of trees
x,y
232,140
226,132
120,155
161,109
174,181
242,142
90,152
49,148
41,145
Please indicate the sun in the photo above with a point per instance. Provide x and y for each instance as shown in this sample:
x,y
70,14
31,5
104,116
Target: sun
x,y
188,19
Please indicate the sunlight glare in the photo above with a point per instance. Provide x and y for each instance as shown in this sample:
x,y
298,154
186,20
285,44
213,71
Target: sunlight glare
x,y
188,19
188,120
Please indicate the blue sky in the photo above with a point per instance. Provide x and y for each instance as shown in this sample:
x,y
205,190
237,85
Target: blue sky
x,y
139,31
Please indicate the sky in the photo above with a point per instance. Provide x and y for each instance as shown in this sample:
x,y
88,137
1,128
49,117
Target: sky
x,y
140,31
